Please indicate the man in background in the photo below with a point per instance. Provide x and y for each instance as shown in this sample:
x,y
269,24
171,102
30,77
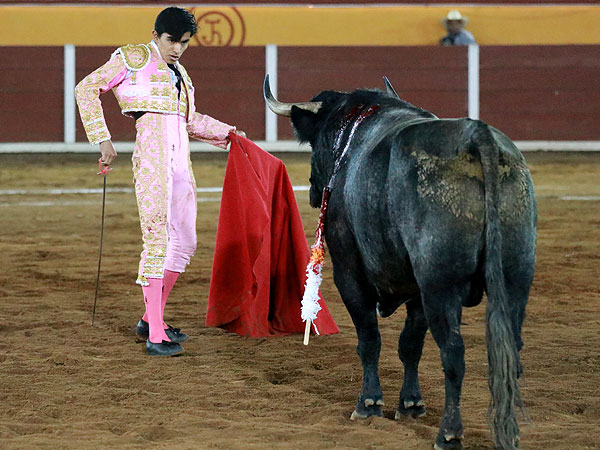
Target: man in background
x,y
455,23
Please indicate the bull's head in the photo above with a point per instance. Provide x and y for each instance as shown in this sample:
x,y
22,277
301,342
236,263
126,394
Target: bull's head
x,y
306,118
285,109
317,123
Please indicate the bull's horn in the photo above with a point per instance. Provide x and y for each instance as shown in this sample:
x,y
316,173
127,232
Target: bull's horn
x,y
388,87
285,109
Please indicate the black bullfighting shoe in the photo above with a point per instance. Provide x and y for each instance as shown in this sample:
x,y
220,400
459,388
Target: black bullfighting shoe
x,y
165,348
174,334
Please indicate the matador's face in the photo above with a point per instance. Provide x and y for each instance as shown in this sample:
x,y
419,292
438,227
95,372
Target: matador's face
x,y
170,48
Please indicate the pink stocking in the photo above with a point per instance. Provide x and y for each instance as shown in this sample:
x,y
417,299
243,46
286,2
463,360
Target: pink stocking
x,y
168,283
153,300
169,280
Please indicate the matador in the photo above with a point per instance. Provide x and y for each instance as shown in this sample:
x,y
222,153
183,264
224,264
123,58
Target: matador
x,y
152,87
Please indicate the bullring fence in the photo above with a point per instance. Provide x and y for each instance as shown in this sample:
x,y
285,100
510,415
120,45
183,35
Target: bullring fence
x,y
538,87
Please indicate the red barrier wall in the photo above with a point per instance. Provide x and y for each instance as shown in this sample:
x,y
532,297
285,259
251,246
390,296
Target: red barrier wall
x,y
433,78
541,93
31,94
228,85
529,92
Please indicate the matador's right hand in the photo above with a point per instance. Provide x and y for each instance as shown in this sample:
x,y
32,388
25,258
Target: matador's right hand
x,y
108,153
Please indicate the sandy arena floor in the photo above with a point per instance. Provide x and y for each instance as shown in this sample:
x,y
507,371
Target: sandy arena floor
x,y
67,385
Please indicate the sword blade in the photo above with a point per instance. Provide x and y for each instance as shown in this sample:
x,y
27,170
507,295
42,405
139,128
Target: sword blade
x,y
100,250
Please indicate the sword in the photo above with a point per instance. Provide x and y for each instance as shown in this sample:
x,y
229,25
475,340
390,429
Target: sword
x,y
103,172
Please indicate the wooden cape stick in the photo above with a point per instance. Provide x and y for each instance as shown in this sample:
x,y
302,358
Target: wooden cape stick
x,y
307,331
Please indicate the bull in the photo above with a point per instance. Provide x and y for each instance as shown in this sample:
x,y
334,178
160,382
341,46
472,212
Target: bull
x,y
429,213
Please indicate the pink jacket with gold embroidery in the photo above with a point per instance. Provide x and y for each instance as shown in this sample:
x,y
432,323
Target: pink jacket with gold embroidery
x,y
141,81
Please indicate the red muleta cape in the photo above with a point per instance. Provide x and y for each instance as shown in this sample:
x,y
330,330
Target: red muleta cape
x,y
261,253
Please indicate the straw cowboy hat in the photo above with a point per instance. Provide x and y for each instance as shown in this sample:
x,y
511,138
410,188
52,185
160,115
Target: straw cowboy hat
x,y
455,15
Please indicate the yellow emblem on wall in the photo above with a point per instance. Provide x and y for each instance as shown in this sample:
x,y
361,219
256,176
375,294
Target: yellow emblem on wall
x,y
135,56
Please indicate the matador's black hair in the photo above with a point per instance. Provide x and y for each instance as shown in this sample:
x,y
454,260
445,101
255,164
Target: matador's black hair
x,y
176,22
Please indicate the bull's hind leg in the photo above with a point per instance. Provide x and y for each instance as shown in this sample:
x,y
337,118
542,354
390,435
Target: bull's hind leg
x,y
443,310
410,348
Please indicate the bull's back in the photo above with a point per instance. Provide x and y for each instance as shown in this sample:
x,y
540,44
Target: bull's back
x,y
445,158
418,196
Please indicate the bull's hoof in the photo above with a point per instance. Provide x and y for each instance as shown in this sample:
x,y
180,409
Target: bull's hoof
x,y
357,416
454,444
366,413
447,444
367,407
410,409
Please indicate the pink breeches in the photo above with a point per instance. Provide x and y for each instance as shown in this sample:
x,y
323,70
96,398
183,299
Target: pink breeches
x,y
166,194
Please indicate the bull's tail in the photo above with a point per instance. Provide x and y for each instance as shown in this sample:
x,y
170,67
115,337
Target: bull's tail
x,y
502,351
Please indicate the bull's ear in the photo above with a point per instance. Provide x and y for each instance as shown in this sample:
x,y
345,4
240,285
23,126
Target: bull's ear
x,y
304,123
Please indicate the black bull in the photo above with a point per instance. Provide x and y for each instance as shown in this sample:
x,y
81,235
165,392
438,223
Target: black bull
x,y
429,213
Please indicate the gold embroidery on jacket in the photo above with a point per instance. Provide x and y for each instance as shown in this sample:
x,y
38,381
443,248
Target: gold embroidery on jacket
x,y
159,79
135,56
160,92
87,93
150,177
